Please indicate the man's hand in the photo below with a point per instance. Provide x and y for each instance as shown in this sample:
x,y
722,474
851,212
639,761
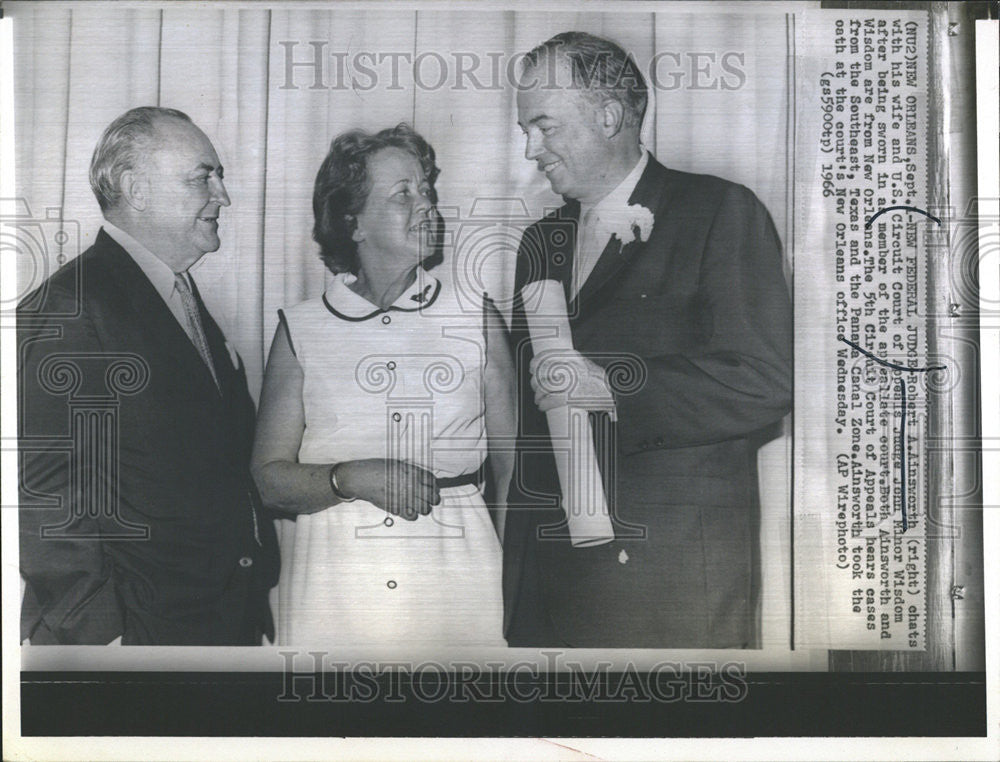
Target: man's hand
x,y
397,487
561,378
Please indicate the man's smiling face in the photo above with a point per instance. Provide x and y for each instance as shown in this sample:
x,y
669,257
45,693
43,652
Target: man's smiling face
x,y
564,134
186,192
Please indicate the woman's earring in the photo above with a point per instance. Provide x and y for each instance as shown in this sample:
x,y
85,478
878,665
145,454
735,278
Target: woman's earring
x,y
356,235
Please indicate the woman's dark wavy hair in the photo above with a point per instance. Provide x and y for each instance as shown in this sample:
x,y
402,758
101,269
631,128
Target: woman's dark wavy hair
x,y
342,188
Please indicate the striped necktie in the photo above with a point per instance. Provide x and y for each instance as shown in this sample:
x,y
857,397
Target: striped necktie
x,y
197,330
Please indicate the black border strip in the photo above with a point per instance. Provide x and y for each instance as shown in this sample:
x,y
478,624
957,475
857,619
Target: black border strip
x,y
691,704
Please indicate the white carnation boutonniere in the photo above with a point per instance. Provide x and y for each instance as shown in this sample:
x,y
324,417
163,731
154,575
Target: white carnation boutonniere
x,y
632,222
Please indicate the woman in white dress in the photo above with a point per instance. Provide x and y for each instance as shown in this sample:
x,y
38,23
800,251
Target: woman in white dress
x,y
371,435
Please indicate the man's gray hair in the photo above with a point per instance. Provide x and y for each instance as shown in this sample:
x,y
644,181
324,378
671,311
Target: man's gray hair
x,y
121,149
600,68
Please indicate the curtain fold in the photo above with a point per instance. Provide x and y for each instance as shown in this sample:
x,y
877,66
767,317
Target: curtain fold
x,y
220,88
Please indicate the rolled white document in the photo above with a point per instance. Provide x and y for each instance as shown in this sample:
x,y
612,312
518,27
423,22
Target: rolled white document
x,y
572,437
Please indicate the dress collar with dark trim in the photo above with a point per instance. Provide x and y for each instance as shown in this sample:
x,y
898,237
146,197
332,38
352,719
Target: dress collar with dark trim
x,y
348,305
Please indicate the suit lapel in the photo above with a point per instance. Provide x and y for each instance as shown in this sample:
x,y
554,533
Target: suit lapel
x,y
612,259
166,334
649,192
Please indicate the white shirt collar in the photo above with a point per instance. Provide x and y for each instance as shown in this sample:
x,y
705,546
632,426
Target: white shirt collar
x,y
345,303
154,268
618,198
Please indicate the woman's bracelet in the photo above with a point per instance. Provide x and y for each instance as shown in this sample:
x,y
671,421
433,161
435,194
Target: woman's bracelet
x,y
337,492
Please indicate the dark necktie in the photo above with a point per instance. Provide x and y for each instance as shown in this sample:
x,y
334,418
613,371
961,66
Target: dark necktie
x,y
194,322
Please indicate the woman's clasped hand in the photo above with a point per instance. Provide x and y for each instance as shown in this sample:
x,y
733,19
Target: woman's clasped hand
x,y
397,487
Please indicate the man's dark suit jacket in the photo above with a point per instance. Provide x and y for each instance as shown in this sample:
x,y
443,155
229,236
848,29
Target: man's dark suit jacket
x,y
138,514
697,321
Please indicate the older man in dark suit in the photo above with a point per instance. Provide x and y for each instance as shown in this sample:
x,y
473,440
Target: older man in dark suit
x,y
677,277
139,522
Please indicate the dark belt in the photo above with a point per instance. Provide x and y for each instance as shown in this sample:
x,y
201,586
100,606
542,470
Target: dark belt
x,y
475,477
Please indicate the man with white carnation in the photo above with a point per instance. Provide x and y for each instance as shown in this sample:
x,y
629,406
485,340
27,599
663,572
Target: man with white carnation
x,y
681,331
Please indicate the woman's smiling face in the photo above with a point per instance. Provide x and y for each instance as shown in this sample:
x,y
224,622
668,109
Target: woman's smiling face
x,y
395,221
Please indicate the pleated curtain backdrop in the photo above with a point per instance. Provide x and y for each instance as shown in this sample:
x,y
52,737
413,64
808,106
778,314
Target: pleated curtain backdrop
x,y
78,67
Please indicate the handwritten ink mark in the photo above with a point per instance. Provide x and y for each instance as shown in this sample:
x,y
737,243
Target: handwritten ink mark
x,y
888,364
904,208
902,417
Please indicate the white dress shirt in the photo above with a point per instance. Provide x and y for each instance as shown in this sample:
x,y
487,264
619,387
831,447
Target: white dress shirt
x,y
157,272
593,235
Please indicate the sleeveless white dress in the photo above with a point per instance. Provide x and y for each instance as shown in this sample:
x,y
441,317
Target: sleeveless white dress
x,y
404,383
